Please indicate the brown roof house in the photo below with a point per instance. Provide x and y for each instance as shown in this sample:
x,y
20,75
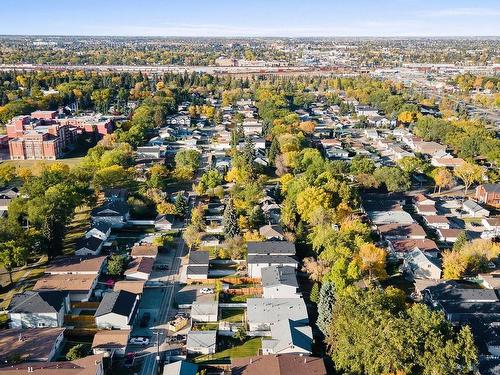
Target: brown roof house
x,y
283,364
144,250
90,365
139,268
112,342
38,344
79,287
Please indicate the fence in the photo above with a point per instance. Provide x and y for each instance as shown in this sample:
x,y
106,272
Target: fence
x,y
80,321
84,305
244,291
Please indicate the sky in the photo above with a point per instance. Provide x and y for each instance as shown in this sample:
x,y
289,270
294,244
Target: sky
x,y
251,18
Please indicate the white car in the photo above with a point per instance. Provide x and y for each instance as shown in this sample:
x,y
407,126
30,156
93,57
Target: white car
x,y
206,291
139,341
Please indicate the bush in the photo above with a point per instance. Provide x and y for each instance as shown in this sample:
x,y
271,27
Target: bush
x,y
76,352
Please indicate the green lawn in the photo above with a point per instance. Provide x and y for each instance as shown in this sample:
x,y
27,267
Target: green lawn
x,y
239,298
76,229
28,276
36,164
205,326
234,349
233,315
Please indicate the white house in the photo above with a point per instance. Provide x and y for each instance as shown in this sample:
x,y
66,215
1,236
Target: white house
x,y
100,230
201,342
288,337
139,268
437,221
475,210
202,311
255,263
116,310
262,313
115,213
89,246
422,266
111,342
280,282
40,309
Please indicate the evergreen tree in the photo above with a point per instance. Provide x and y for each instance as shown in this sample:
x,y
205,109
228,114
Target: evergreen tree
x,y
274,150
314,296
230,221
181,204
249,151
325,306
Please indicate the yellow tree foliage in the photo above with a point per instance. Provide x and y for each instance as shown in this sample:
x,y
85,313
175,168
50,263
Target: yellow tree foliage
x,y
407,117
310,199
443,178
372,260
307,127
453,265
469,173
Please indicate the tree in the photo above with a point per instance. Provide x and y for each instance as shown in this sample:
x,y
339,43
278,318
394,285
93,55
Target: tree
x,y
157,177
373,260
469,173
116,265
181,204
394,179
314,296
192,236
460,242
316,269
7,173
230,221
187,159
374,333
312,199
325,306
234,248
411,164
443,178
211,179
362,165
11,256
77,351
407,117
240,334
113,177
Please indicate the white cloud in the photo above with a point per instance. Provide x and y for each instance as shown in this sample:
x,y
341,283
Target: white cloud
x,y
462,12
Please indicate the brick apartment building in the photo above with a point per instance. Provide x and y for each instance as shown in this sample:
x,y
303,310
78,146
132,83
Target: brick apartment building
x,y
489,194
44,136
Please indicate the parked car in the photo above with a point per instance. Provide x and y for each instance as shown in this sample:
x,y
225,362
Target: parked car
x,y
139,341
182,315
206,291
129,360
146,317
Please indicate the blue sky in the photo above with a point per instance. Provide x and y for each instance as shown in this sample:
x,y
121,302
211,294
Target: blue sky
x,y
252,17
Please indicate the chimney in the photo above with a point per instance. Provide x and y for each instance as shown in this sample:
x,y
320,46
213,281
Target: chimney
x,y
30,369
305,359
251,360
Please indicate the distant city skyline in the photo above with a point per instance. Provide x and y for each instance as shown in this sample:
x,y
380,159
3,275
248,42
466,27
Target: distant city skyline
x,y
259,18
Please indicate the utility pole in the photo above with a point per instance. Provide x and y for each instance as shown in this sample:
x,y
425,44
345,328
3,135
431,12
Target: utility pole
x,y
157,333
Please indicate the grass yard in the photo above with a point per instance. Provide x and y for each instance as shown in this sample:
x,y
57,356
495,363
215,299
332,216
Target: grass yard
x,y
231,348
76,229
237,298
35,165
23,279
233,315
205,326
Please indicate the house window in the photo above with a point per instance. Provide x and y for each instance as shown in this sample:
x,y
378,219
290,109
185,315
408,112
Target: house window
x,y
41,324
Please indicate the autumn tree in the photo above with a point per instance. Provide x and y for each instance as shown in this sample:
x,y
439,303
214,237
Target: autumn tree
x,y
373,261
12,255
443,178
469,173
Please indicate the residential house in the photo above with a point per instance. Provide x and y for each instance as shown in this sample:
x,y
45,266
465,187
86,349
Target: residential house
x,y
37,344
146,250
429,148
164,222
262,313
475,210
283,364
437,221
116,213
399,232
79,286
86,246
111,342
489,194
204,311
117,310
90,365
402,247
139,268
288,337
180,368
447,162
490,280
40,309
132,286
100,230
449,235
422,266
272,232
201,342
116,195
280,282
76,265
197,265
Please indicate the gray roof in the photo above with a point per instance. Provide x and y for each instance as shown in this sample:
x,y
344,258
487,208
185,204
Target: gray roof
x,y
271,231
272,310
180,368
271,247
115,208
473,206
101,226
120,303
279,275
40,302
287,334
271,259
447,292
198,258
201,339
91,243
204,308
492,188
197,270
